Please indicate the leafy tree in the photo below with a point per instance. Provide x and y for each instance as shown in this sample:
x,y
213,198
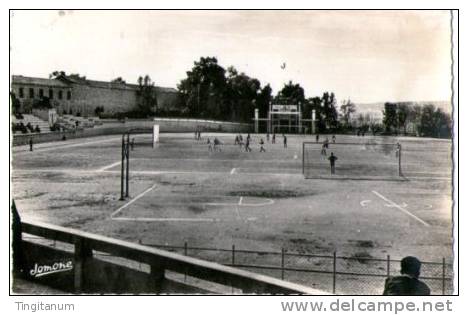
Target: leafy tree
x,y
347,109
263,100
291,93
390,117
243,94
204,89
147,102
402,116
99,110
435,122
330,115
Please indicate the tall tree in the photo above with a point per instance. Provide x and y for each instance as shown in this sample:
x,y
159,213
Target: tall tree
x,y
330,114
347,109
243,94
204,89
147,102
402,116
390,117
291,93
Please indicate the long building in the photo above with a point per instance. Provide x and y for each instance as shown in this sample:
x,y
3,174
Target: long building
x,y
77,95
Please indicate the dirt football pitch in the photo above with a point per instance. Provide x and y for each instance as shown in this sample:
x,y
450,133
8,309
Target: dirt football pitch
x,y
181,192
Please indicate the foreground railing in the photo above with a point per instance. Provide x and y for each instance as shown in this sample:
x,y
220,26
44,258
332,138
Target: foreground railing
x,y
159,261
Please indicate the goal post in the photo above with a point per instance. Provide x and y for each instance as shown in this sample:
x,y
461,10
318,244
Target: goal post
x,y
366,160
155,135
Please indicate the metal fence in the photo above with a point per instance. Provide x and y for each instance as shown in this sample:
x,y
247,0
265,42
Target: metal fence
x,y
357,275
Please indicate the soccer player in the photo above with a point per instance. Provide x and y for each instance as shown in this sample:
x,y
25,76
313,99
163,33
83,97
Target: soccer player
x,y
236,141
398,150
285,141
317,138
217,143
333,139
247,145
30,144
332,159
132,144
273,139
268,136
324,149
262,149
210,145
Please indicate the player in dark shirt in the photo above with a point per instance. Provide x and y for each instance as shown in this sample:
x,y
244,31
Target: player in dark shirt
x,y
285,141
247,145
262,149
408,283
332,159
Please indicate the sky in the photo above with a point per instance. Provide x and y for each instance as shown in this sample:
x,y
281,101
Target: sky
x,y
365,56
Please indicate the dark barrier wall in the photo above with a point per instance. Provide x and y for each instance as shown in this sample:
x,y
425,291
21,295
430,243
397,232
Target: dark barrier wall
x,y
113,127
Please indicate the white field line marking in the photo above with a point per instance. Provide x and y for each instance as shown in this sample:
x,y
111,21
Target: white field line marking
x,y
142,219
109,166
400,208
233,171
132,201
242,204
364,203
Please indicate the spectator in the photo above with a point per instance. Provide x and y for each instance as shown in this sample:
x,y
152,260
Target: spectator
x,y
407,283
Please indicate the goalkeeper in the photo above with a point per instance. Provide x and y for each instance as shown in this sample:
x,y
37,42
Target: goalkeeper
x,y
332,159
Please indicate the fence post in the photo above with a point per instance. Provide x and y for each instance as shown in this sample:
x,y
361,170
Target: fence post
x,y
388,265
185,254
443,276
334,272
233,255
82,253
282,263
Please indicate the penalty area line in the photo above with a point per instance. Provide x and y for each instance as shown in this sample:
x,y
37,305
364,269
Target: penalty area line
x,y
105,168
400,208
131,201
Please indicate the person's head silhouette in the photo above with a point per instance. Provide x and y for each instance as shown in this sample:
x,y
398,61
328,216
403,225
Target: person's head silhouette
x,y
410,266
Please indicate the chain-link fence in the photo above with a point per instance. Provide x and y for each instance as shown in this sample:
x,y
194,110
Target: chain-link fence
x,y
358,275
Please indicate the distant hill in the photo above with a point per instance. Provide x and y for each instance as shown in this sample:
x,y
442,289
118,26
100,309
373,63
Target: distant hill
x,y
376,109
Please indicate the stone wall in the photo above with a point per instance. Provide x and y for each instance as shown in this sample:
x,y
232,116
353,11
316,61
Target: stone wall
x,y
113,127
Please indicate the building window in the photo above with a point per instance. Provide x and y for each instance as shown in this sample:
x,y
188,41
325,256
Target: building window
x,y
31,93
51,94
68,95
60,94
41,93
21,92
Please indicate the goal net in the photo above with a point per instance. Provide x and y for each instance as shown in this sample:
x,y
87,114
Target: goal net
x,y
369,159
